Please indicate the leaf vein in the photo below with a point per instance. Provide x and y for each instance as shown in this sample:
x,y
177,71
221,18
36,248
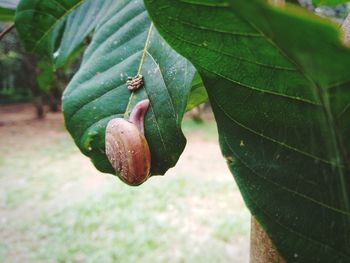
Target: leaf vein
x,y
286,188
273,140
241,34
166,87
231,55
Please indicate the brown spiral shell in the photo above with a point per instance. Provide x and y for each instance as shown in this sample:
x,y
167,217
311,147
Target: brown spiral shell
x,y
127,148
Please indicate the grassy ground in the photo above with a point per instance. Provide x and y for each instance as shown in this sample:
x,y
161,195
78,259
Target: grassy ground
x,y
55,207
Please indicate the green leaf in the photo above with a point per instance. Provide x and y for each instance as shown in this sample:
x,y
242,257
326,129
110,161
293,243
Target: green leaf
x,y
8,9
198,94
45,77
329,2
38,23
78,25
279,84
56,28
124,44
6,14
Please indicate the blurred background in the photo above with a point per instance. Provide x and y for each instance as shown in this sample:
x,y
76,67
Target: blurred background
x,y
56,207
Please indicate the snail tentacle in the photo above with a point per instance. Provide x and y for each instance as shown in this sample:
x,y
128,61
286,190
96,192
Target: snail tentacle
x,y
137,115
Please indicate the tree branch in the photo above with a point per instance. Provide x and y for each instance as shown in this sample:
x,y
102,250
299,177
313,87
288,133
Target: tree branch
x,y
7,30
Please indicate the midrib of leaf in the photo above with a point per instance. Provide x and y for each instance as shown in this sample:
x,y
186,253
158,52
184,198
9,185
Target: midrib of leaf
x,y
58,3
55,24
142,61
100,95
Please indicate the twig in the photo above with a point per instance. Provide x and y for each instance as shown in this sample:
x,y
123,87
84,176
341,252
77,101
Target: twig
x,y
6,30
346,28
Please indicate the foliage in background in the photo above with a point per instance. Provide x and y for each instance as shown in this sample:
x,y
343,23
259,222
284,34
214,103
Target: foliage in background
x,y
64,25
329,2
8,9
25,77
13,81
198,94
337,12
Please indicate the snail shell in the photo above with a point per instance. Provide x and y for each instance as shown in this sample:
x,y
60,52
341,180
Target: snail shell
x,y
127,148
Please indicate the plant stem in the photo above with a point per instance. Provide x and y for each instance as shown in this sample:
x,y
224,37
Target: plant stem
x,y
7,30
261,247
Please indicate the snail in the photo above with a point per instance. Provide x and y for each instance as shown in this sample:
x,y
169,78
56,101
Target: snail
x,y
127,148
135,83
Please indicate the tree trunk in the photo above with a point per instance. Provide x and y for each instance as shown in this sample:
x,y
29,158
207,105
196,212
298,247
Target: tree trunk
x,y
39,106
54,99
261,247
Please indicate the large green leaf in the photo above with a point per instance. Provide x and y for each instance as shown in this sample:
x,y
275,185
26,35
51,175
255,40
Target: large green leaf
x,y
78,25
38,22
126,43
279,84
198,93
55,28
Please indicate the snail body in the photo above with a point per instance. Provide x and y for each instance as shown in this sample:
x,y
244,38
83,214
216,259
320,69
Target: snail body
x,y
127,148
